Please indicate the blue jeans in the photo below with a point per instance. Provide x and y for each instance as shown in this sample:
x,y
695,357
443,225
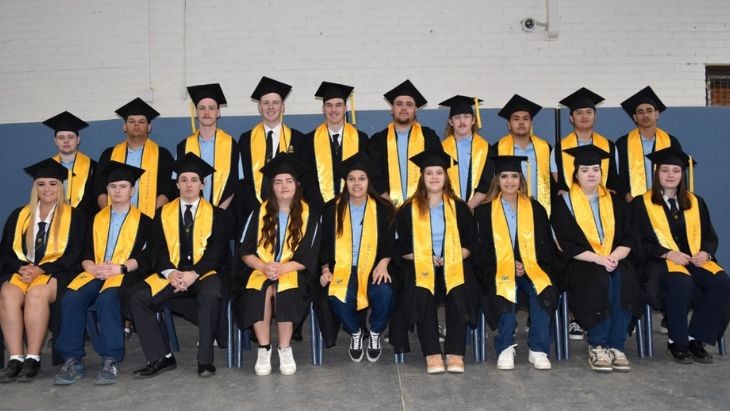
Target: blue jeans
x,y
612,331
538,338
380,297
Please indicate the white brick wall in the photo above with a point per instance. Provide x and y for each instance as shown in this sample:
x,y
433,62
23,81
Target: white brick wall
x,y
92,57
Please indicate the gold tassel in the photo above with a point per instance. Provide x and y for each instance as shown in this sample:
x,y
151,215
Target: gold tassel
x,y
353,119
691,176
192,117
479,116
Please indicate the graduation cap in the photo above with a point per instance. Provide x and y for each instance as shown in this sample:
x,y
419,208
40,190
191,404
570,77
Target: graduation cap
x,y
328,91
284,163
459,105
137,107
405,88
434,156
116,171
671,155
519,103
213,91
268,85
358,161
48,168
508,163
644,96
66,122
582,98
587,155
192,164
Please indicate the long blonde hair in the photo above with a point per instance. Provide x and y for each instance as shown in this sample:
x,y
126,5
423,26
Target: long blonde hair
x,y
60,210
494,189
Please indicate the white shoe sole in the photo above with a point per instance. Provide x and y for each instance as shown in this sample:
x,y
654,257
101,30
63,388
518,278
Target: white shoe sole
x,y
261,372
287,371
506,367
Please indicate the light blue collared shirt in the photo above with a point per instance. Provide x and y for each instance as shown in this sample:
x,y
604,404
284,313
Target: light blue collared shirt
x,y
529,152
283,220
647,146
595,209
115,226
402,143
511,216
437,228
463,152
357,214
207,153
69,165
134,158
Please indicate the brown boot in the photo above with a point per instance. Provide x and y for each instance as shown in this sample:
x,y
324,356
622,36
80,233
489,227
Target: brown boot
x,y
454,363
435,364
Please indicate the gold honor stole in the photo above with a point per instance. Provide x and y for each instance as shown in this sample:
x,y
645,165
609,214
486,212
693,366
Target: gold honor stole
x,y
289,280
77,176
122,249
221,160
323,156
637,171
571,141
57,242
479,152
416,144
258,152
506,146
202,228
505,278
423,249
584,217
365,261
147,189
694,231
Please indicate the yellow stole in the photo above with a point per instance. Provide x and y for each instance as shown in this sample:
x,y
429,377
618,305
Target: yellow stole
x,y
571,141
77,177
423,249
323,156
122,249
694,231
506,146
365,261
56,244
221,158
505,278
258,152
584,217
479,152
147,188
416,144
202,229
637,171
287,281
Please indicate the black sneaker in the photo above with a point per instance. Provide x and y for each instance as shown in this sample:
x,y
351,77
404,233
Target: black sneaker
x,y
356,351
11,371
699,354
575,332
374,348
29,371
680,354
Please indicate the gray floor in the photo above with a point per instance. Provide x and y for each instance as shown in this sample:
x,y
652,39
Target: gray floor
x,y
656,384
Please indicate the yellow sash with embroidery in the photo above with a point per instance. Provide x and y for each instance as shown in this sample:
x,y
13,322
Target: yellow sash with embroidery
x,y
423,249
504,249
77,177
258,152
365,261
221,159
659,222
147,188
637,171
571,141
479,152
584,217
287,281
323,156
416,144
506,147
57,240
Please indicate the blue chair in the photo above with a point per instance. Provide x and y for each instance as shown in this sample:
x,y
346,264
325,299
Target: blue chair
x,y
168,329
315,337
649,329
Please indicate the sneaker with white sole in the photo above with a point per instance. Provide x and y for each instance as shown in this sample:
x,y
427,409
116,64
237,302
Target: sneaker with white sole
x,y
506,359
375,348
619,362
72,370
263,362
599,359
356,342
575,332
287,366
109,373
539,360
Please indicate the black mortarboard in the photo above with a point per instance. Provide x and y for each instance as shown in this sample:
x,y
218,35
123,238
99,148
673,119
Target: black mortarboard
x,y
644,96
459,105
582,98
116,171
213,91
434,156
137,107
48,168
358,161
284,163
329,91
508,163
66,122
670,155
405,88
268,85
192,163
587,155
519,103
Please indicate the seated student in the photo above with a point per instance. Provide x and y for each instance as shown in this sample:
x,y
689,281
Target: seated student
x,y
279,248
593,228
358,240
188,238
679,244
41,249
518,250
435,239
113,261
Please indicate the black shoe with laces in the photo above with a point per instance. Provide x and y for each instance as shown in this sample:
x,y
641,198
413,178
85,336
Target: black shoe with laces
x,y
699,354
375,348
679,353
29,371
356,351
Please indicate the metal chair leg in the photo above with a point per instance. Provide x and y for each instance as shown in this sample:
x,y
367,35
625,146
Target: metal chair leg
x,y
649,331
721,346
640,340
316,338
565,319
400,358
232,347
557,335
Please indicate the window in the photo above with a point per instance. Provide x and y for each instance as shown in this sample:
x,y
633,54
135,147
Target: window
x,y
717,83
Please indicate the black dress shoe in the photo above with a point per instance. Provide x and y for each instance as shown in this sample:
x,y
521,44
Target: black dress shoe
x,y
206,370
11,371
156,367
29,371
699,354
679,354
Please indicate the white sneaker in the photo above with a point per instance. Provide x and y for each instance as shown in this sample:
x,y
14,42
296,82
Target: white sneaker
x,y
263,362
539,360
506,359
600,359
287,366
619,362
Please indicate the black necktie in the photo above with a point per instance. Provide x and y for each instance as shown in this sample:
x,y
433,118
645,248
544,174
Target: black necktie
x,y
40,242
336,145
673,209
188,220
269,146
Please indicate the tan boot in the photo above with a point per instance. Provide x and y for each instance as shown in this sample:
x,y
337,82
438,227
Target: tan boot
x,y
435,364
454,363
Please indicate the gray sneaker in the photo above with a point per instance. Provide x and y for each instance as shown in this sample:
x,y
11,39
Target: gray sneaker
x,y
109,373
71,372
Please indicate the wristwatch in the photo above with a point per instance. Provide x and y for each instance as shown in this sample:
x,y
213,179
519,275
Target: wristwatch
x,y
124,269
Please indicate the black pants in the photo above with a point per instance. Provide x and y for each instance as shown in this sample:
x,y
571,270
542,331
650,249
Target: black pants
x,y
427,327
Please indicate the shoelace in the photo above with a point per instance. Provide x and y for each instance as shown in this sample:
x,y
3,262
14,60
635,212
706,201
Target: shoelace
x,y
602,354
357,341
68,365
374,343
110,368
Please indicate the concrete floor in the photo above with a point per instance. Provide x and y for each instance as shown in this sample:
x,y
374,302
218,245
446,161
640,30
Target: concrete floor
x,y
657,383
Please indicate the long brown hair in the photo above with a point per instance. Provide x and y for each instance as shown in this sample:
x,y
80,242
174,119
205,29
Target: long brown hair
x,y
343,200
494,189
657,192
420,197
271,219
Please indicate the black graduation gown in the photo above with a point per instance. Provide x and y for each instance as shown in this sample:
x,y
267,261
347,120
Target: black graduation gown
x,y
291,305
329,324
378,152
612,183
624,185
587,283
486,262
88,203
